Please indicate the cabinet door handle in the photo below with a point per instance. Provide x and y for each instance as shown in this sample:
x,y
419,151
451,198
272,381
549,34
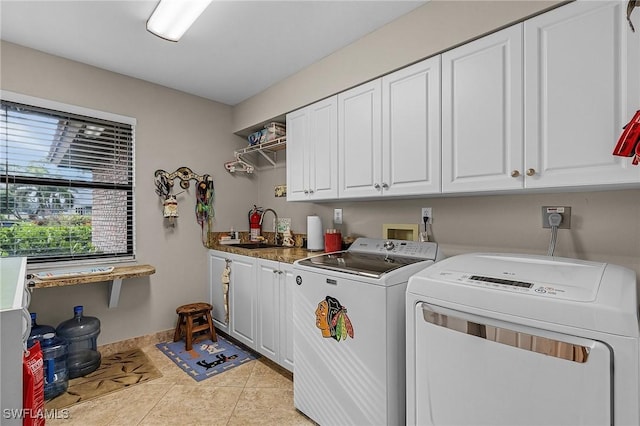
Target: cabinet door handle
x,y
311,191
306,191
384,185
515,173
531,172
376,186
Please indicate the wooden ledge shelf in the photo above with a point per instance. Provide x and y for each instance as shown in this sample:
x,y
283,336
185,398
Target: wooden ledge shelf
x,y
114,278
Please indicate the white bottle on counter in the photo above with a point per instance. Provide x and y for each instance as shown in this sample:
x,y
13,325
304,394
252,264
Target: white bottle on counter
x,y
315,236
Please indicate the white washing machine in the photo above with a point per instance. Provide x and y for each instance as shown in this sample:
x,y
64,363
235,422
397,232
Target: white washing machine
x,y
500,339
349,331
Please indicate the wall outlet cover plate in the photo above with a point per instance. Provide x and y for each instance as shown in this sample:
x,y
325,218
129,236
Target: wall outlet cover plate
x,y
564,211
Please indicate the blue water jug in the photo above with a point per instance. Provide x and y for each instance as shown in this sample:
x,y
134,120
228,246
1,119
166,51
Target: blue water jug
x,y
81,332
54,355
37,331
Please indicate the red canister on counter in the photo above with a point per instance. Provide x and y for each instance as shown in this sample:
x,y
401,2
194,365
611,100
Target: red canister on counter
x,y
332,240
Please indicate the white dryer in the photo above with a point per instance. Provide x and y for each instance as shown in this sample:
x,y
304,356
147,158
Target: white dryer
x,y
501,339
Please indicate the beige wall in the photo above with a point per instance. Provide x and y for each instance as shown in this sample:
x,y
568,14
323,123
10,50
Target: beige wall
x,y
173,129
430,29
605,225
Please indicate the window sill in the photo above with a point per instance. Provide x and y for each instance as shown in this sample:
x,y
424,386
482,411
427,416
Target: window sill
x,y
115,278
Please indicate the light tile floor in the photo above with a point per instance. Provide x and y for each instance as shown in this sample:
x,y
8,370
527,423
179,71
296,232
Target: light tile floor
x,y
257,393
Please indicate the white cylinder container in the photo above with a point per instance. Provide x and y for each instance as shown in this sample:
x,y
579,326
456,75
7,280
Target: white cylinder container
x,y
315,236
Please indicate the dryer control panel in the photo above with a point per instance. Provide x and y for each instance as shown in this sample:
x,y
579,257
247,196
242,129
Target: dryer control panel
x,y
516,285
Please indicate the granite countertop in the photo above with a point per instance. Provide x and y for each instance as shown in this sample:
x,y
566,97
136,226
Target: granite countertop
x,y
278,254
119,272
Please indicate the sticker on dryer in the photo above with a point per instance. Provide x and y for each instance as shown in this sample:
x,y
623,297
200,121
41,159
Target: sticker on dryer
x,y
332,319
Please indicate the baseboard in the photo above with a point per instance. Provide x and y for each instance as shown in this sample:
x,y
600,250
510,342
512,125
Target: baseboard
x,y
136,342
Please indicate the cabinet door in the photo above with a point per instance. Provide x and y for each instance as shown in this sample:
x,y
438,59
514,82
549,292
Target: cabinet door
x,y
482,133
297,155
359,141
268,308
242,300
287,283
217,263
581,88
411,130
323,149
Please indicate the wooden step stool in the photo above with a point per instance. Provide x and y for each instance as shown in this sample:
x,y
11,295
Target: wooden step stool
x,y
194,318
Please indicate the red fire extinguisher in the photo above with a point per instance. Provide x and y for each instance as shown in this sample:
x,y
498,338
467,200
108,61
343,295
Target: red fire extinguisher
x,y
255,229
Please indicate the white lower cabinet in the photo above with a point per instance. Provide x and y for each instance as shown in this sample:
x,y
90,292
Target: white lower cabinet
x,y
260,303
287,281
217,263
241,298
275,316
242,301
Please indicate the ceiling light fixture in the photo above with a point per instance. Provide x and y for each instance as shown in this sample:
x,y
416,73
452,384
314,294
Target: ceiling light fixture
x,y
172,18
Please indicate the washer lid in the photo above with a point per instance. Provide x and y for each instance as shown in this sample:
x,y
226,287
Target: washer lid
x,y
364,264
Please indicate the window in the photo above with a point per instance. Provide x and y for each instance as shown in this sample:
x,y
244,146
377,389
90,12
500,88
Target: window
x,y
66,189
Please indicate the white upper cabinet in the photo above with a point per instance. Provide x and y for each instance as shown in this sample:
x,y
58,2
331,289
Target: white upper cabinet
x,y
389,134
360,141
312,152
540,104
582,76
482,104
297,156
411,130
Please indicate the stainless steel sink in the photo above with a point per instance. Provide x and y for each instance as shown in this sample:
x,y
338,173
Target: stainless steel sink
x,y
252,246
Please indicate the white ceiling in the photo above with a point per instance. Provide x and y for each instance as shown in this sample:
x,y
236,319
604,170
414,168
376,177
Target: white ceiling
x,y
234,50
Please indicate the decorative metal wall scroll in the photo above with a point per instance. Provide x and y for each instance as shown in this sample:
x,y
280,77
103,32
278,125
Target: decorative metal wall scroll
x,y
204,195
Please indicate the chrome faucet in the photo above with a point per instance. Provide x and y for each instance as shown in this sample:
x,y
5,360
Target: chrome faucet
x,y
275,223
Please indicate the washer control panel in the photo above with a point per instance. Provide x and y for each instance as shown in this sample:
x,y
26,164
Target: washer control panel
x,y
423,250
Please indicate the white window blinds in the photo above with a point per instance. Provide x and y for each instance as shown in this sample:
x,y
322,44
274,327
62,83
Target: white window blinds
x,y
66,189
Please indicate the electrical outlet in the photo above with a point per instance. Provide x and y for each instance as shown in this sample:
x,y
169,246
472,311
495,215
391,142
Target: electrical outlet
x,y
337,216
427,211
564,211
